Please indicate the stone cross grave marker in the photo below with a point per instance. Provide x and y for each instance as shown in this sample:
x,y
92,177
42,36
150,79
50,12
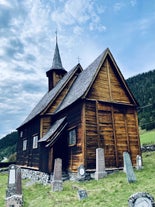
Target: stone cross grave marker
x,y
57,176
128,168
100,164
141,199
138,162
14,188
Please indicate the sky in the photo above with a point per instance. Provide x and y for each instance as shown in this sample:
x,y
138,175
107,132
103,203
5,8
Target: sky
x,y
85,28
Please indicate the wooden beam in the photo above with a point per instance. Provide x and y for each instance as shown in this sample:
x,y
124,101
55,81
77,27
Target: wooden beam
x,y
114,133
109,81
97,123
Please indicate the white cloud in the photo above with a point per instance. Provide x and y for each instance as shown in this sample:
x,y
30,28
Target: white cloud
x,y
5,3
79,13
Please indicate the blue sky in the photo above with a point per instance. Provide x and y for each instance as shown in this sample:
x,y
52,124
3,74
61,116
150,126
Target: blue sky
x,y
85,28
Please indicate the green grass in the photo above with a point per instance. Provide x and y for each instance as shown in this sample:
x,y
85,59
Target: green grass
x,y
111,191
147,137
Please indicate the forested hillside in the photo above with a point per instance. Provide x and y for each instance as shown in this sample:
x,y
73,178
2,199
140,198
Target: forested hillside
x,y
8,145
143,88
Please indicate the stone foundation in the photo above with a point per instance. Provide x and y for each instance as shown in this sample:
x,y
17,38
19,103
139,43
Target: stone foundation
x,y
35,176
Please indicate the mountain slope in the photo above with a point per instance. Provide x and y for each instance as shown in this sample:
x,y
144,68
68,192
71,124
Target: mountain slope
x,y
143,88
8,145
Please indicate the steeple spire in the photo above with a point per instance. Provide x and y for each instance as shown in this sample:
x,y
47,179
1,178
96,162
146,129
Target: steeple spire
x,y
57,71
57,64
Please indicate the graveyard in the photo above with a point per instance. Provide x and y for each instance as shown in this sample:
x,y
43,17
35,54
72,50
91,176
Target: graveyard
x,y
112,190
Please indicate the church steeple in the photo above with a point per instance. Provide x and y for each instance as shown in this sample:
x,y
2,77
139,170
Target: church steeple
x,y
57,71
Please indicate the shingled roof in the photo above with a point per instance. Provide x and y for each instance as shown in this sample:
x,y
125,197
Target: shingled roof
x,y
51,95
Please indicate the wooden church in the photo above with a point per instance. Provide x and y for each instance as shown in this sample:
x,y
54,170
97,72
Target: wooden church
x,y
82,110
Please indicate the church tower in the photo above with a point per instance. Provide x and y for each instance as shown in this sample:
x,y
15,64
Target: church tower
x,y
57,71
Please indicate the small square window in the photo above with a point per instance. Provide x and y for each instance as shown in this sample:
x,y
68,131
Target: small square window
x,y
24,144
35,142
72,137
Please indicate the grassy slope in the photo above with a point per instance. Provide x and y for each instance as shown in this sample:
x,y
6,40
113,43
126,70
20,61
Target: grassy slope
x,y
114,190
147,137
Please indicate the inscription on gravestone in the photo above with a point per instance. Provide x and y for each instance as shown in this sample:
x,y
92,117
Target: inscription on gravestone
x,y
100,164
57,176
128,168
12,176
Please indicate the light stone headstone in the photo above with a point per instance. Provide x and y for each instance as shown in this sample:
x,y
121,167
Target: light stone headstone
x,y
128,168
14,188
81,172
100,164
57,176
141,199
138,162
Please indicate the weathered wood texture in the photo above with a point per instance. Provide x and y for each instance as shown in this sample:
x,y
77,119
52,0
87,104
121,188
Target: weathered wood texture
x,y
30,156
72,156
111,119
46,121
108,85
117,133
74,153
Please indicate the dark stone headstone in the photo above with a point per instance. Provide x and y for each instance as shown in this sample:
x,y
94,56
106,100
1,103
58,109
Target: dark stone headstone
x,y
14,189
128,168
100,164
57,176
141,199
82,194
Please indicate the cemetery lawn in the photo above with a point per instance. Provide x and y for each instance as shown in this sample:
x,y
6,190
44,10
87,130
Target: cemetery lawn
x,y
111,191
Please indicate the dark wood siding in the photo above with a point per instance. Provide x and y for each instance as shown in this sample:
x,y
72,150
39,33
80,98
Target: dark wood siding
x,y
30,156
74,120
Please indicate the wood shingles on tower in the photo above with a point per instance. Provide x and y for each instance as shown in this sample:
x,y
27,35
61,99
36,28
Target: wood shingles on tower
x,y
86,109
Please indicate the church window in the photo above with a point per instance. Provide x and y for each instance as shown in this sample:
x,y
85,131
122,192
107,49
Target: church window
x,y
24,144
35,141
72,137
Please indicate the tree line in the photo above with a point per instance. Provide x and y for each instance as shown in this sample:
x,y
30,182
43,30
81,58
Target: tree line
x,y
143,89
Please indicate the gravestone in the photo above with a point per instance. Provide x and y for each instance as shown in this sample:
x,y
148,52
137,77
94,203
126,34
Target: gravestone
x,y
100,164
128,168
81,172
82,194
141,199
14,189
57,176
138,162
